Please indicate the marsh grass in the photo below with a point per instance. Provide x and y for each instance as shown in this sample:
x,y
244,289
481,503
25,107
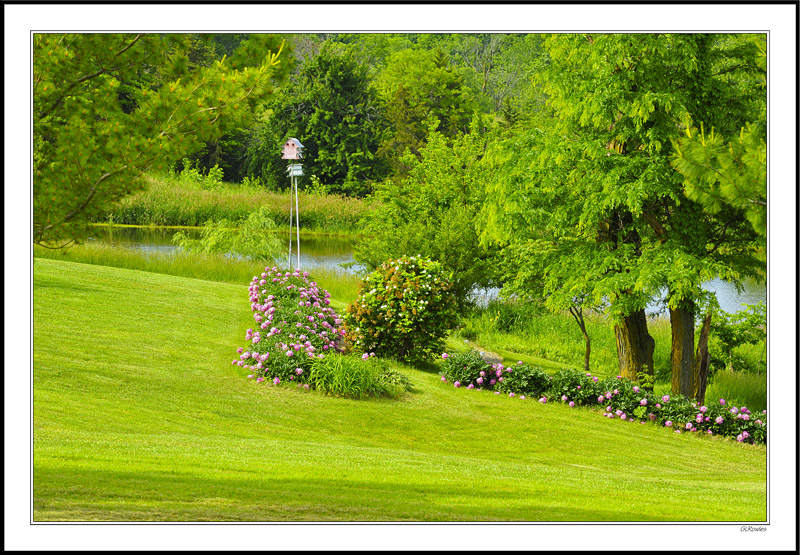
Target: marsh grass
x,y
166,201
212,267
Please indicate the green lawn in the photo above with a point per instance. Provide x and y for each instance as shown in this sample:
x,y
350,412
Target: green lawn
x,y
139,415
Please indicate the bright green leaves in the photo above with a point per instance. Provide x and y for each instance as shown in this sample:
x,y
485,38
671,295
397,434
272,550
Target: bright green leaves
x,y
253,237
105,112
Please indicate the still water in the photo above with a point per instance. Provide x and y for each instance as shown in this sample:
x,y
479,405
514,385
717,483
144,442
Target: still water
x,y
331,251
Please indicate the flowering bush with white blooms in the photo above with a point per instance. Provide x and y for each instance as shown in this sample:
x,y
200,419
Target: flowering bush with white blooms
x,y
616,397
403,310
293,326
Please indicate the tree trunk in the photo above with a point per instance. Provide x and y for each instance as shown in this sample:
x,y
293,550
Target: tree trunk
x,y
634,346
588,352
682,359
702,362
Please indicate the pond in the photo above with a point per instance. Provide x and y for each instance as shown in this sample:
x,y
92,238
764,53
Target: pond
x,y
330,251
327,251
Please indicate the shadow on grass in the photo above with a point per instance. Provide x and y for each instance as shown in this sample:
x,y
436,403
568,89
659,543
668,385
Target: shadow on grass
x,y
82,495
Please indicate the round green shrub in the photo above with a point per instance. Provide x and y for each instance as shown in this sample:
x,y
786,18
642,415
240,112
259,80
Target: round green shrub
x,y
523,379
404,310
465,369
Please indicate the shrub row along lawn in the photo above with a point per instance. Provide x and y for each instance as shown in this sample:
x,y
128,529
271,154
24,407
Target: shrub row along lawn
x,y
166,201
139,415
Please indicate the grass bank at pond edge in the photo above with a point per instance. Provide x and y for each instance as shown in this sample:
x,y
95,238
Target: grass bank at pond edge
x,y
341,285
138,415
167,201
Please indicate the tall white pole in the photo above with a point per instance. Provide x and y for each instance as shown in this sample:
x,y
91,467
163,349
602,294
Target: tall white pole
x,y
297,213
290,226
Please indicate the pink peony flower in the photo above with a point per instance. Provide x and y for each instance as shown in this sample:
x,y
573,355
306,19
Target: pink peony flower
x,y
457,384
665,399
277,380
445,355
643,402
260,380
572,403
668,423
564,398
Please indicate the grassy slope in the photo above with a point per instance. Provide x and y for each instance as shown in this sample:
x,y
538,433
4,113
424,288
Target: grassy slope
x,y
138,415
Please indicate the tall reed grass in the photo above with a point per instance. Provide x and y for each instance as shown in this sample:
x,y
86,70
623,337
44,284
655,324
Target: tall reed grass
x,y
341,285
167,201
739,389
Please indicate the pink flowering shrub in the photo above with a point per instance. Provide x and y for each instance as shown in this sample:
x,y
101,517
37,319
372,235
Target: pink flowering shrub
x,y
467,368
522,379
293,326
616,397
404,310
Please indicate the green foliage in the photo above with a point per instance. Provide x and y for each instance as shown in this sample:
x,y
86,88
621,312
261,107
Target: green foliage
x,y
352,376
417,87
434,212
719,173
465,369
524,379
253,238
94,135
331,108
731,331
190,176
404,309
575,386
587,202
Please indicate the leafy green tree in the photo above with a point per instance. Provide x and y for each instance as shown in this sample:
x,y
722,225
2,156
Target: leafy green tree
x,y
92,140
594,186
253,237
330,107
433,211
417,86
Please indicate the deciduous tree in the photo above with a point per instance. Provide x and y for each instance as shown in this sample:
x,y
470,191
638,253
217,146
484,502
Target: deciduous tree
x,y
93,140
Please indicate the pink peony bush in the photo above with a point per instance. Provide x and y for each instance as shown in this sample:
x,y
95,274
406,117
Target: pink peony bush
x,y
293,327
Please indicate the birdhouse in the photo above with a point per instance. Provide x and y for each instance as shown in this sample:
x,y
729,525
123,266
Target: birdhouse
x,y
295,170
292,150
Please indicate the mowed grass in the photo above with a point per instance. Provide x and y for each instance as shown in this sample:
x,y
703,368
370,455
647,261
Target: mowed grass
x,y
139,415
